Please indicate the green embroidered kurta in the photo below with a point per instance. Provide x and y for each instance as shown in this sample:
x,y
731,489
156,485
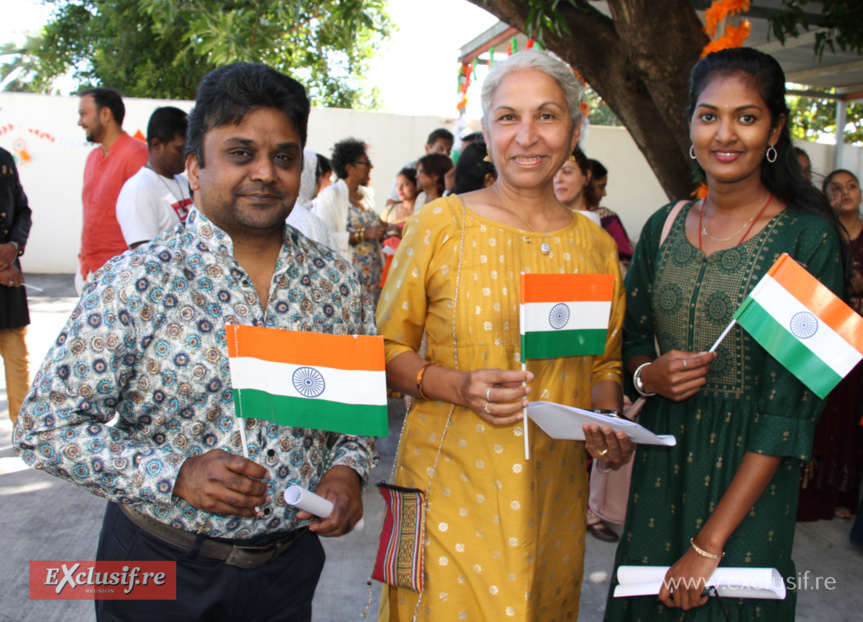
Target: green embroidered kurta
x,y
750,403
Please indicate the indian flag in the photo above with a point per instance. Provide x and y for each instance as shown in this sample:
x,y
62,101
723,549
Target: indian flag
x,y
309,380
803,325
564,314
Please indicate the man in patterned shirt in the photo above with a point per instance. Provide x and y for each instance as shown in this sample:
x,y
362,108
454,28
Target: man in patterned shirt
x,y
147,343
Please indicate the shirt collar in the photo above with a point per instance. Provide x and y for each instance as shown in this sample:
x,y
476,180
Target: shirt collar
x,y
217,239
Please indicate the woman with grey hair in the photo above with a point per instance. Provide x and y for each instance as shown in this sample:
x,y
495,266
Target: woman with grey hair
x,y
504,535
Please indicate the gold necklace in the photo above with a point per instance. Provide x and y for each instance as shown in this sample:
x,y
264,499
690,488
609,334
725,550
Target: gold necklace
x,y
544,248
736,233
524,220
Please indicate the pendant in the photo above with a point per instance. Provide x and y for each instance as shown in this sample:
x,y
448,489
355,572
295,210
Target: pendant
x,y
545,248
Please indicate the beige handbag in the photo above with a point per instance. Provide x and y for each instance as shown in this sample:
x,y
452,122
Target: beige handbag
x,y
609,488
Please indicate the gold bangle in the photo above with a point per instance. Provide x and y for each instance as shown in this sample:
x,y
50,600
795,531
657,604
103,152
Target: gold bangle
x,y
704,553
420,375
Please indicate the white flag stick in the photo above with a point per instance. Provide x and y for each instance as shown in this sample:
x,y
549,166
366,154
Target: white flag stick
x,y
242,423
723,335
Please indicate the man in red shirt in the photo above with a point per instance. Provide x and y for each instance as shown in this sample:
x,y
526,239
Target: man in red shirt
x,y
118,157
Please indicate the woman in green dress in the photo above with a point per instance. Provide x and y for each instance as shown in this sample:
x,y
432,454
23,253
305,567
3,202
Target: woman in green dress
x,y
726,494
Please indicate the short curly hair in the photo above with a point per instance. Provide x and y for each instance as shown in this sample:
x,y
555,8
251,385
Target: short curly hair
x,y
345,152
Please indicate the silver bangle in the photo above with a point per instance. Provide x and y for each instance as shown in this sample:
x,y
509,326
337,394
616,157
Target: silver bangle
x,y
636,380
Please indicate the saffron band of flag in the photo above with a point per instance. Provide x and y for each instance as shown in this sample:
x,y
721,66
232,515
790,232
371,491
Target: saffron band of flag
x,y
309,380
803,325
564,314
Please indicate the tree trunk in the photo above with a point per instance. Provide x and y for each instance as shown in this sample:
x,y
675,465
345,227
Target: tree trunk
x,y
639,63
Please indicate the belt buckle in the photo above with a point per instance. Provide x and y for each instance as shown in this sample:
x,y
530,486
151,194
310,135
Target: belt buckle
x,y
246,557
229,560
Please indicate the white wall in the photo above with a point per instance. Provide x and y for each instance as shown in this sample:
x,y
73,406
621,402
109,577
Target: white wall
x,y
52,177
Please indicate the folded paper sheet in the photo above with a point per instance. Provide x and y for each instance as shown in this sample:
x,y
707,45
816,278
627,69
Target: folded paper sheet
x,y
564,422
763,583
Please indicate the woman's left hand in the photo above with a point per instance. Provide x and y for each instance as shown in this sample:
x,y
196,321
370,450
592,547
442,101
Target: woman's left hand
x,y
686,581
603,444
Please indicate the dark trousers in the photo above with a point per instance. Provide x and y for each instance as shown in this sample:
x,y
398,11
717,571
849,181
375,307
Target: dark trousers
x,y
207,589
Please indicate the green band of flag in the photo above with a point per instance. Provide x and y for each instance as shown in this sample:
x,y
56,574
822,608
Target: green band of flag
x,y
352,419
787,349
552,344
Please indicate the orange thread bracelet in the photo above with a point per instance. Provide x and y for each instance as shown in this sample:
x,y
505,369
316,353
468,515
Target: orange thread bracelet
x,y
420,375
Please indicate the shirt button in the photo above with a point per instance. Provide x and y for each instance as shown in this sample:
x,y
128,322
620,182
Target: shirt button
x,y
271,452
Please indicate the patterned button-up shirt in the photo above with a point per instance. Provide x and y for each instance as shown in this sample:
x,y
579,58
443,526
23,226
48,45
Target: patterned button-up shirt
x,y
147,342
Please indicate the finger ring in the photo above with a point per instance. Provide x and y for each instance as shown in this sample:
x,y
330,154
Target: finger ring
x,y
488,394
685,366
603,452
485,409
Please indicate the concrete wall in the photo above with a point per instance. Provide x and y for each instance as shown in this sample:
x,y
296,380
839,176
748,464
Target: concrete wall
x,y
52,177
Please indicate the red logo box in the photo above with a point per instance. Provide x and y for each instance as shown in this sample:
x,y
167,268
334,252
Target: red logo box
x,y
106,580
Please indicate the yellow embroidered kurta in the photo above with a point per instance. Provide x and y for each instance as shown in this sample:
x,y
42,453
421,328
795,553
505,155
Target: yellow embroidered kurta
x,y
504,536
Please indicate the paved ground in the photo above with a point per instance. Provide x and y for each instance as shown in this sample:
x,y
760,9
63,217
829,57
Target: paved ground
x,y
44,518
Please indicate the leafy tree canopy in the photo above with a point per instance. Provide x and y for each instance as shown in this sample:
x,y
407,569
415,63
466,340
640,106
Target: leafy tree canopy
x,y
162,48
813,118
842,22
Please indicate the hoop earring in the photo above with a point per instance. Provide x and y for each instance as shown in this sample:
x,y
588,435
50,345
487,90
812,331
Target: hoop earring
x,y
692,152
771,154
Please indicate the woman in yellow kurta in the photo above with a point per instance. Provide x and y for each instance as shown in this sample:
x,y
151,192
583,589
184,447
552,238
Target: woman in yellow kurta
x,y
504,536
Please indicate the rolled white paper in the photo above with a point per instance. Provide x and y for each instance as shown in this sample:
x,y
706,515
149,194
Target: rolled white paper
x,y
313,504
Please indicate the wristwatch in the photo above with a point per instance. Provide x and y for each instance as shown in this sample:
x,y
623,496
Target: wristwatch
x,y
639,385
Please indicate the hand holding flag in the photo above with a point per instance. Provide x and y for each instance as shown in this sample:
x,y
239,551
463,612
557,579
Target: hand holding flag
x,y
563,315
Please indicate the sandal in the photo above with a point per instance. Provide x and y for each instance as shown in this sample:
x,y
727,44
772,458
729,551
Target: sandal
x,y
601,531
842,513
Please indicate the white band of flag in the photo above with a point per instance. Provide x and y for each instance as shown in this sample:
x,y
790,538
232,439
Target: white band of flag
x,y
545,316
325,383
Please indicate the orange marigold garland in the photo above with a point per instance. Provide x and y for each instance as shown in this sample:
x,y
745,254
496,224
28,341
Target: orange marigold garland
x,y
720,10
734,35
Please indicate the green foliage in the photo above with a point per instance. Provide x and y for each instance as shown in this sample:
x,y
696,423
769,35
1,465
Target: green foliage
x,y
600,113
545,15
162,48
812,118
843,20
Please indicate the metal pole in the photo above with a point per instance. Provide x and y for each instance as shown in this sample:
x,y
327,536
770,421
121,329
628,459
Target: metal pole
x,y
841,119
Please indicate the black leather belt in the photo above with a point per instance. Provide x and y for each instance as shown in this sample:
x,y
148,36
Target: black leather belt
x,y
241,556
